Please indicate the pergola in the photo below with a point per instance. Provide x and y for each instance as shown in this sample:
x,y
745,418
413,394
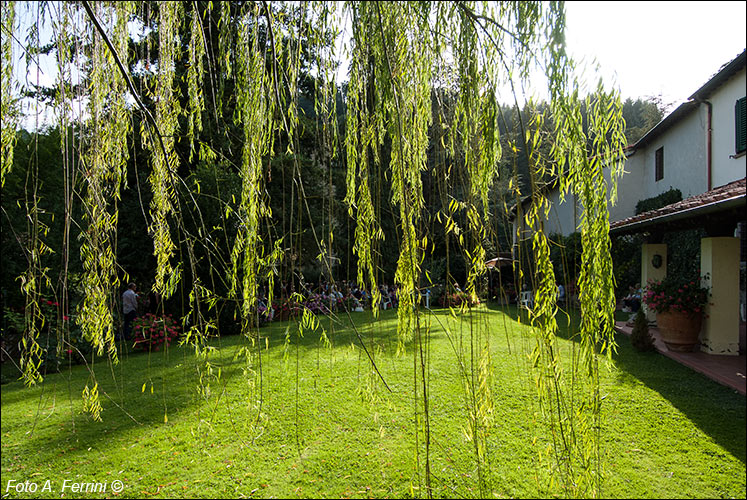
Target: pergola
x,y
719,212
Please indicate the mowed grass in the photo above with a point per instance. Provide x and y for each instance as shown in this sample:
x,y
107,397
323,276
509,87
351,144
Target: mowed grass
x,y
326,426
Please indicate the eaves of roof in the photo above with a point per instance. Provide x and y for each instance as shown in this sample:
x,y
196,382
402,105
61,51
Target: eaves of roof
x,y
672,118
727,71
724,198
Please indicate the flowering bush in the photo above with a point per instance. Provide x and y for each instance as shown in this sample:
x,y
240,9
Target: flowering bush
x,y
317,304
52,323
288,308
674,293
152,331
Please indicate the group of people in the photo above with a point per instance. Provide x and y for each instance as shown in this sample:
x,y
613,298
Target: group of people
x,y
325,297
358,296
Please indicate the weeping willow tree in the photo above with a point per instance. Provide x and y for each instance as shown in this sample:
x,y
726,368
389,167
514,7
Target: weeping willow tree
x,y
400,55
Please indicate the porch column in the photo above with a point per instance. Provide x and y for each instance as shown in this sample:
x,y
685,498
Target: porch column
x,y
719,257
652,268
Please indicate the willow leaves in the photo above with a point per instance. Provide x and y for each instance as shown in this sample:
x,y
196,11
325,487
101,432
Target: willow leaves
x,y
403,57
7,111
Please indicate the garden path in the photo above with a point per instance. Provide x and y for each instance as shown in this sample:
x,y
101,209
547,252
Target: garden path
x,y
730,371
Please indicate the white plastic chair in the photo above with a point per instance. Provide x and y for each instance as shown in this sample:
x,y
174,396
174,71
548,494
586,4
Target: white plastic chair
x,y
427,296
526,300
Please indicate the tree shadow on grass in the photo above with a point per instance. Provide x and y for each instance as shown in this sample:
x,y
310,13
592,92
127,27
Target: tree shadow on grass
x,y
373,332
125,394
126,406
717,410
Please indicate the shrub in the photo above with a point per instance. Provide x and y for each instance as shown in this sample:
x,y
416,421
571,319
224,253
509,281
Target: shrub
x,y
317,304
152,331
659,201
288,308
74,349
640,337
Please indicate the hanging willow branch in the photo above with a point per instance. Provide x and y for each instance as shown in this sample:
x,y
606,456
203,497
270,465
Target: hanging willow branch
x,y
7,107
125,75
389,129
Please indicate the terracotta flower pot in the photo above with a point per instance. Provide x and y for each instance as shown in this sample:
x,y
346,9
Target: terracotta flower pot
x,y
679,330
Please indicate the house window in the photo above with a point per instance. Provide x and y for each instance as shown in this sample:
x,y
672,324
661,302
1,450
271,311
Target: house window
x,y
740,126
659,164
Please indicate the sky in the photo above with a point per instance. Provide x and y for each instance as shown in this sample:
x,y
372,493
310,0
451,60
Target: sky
x,y
652,48
667,49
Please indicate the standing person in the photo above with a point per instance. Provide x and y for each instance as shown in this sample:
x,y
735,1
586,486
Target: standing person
x,y
561,293
129,308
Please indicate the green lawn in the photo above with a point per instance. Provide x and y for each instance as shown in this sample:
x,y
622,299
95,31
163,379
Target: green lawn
x,y
328,428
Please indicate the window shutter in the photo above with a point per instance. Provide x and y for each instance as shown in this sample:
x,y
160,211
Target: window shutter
x,y
659,172
740,125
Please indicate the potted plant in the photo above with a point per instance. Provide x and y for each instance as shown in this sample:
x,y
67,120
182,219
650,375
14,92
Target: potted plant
x,y
679,304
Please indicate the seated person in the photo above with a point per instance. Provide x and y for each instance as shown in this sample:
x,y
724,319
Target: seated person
x,y
632,301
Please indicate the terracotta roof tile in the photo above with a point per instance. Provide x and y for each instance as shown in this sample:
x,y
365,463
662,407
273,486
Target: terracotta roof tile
x,y
725,192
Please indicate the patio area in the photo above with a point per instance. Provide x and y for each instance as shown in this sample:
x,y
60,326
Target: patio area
x,y
730,371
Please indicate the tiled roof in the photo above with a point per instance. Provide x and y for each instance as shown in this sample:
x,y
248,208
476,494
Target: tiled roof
x,y
720,195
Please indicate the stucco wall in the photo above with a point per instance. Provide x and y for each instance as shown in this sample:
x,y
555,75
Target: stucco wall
x,y
684,158
628,188
563,218
725,168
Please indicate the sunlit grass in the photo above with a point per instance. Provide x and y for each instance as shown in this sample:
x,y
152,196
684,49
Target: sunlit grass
x,y
329,428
